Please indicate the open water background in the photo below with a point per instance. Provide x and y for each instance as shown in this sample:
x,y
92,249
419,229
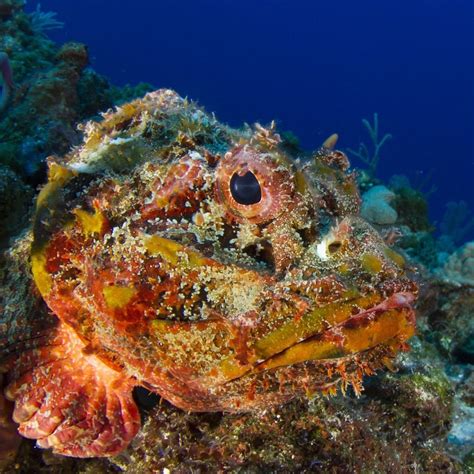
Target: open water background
x,y
316,67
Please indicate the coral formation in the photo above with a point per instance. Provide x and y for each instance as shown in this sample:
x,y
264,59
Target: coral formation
x,y
376,206
399,423
419,246
335,435
53,99
363,153
42,22
412,208
460,265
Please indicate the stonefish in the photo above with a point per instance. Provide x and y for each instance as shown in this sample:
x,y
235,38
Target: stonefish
x,y
201,262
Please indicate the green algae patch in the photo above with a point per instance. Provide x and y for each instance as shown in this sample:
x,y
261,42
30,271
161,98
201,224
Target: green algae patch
x,y
433,384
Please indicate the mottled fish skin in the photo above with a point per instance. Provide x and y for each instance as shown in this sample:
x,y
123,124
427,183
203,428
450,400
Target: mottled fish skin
x,y
203,263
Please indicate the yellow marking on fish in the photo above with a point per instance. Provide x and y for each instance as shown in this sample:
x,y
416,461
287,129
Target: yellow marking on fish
x,y
371,263
58,176
172,252
41,276
118,296
91,223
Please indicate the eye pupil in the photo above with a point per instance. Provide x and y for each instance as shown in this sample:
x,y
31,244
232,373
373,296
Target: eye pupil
x,y
245,189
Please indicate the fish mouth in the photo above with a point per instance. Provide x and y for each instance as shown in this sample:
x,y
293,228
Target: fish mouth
x,y
390,322
392,319
307,356
354,328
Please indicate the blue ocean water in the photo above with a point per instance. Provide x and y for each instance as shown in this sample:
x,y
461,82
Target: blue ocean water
x,y
316,67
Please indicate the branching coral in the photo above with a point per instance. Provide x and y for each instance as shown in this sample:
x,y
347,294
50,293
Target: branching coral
x,y
6,74
371,160
44,21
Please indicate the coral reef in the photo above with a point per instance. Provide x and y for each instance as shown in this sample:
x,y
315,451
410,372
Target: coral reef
x,y
53,84
420,246
398,425
53,100
446,322
322,435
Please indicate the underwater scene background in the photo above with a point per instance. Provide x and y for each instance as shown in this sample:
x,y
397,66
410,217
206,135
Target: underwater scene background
x,y
394,80
315,67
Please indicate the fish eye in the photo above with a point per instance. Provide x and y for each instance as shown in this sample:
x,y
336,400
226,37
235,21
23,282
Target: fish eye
x,y
254,186
245,189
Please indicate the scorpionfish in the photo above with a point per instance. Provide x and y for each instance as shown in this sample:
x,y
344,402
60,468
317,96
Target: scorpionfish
x,y
206,264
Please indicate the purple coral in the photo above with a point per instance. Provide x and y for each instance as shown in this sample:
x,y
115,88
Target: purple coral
x,y
6,73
